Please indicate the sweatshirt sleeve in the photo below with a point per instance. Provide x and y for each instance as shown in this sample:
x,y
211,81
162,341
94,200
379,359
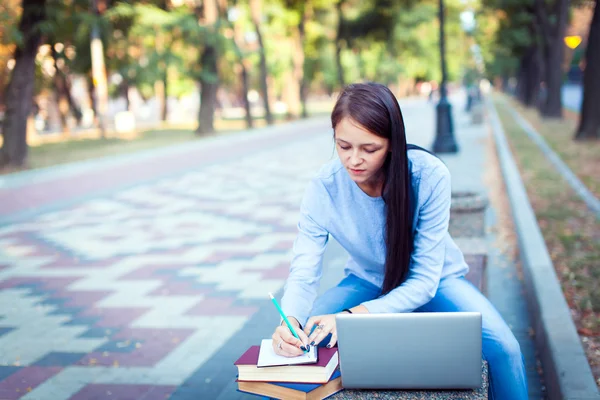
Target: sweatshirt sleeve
x,y
427,259
307,262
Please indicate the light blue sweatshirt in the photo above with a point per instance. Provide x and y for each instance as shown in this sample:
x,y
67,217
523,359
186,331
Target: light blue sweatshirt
x,y
334,205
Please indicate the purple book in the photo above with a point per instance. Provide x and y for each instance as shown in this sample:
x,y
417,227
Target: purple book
x,y
319,372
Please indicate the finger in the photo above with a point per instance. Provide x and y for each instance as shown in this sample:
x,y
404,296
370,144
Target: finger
x,y
318,335
290,350
303,338
333,340
309,325
317,330
285,351
276,338
281,347
289,338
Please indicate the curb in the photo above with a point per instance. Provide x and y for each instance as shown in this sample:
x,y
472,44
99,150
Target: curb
x,y
566,370
584,193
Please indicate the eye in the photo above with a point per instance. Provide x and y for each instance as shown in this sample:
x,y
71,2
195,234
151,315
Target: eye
x,y
344,147
370,151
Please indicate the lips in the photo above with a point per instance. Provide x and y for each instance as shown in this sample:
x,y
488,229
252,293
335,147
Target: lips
x,y
357,171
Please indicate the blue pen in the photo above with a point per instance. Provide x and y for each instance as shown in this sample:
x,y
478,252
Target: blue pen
x,y
285,318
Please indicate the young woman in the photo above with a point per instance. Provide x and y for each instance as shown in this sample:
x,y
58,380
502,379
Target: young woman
x,y
389,207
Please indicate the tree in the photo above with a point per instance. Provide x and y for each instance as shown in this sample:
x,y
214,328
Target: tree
x,y
589,117
62,88
256,14
299,56
529,48
8,14
553,25
19,93
238,36
509,37
209,77
162,43
59,31
529,45
98,7
339,5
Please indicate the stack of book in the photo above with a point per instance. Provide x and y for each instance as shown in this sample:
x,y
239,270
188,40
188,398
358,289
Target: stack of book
x,y
314,375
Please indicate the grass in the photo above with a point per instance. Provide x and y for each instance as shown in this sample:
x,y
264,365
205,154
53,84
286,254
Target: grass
x,y
49,154
571,231
583,157
49,150
46,150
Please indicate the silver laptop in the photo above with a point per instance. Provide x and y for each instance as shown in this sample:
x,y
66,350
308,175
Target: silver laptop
x,y
410,350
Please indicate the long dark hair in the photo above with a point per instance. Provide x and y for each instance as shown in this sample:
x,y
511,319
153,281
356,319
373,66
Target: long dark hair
x,y
375,108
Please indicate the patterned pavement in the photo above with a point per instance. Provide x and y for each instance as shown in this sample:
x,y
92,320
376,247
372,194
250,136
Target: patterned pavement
x,y
125,295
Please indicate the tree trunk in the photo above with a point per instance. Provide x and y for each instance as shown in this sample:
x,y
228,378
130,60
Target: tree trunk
x,y
62,103
19,93
160,90
124,89
338,44
292,90
238,37
539,60
553,28
162,50
554,74
529,78
73,106
91,89
589,122
165,110
3,76
62,86
299,60
521,79
244,95
99,68
307,15
209,78
303,96
533,81
256,11
209,83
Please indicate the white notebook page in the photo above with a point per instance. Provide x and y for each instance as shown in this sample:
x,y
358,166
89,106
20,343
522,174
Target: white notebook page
x,y
268,358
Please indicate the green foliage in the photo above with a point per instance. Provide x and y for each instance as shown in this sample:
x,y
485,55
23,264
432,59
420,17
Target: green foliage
x,y
508,32
382,40
161,44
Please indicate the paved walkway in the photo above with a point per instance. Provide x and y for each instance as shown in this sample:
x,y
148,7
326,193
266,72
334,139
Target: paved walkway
x,y
145,277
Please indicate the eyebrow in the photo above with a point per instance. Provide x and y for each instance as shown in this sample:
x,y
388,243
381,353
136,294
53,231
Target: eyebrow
x,y
364,144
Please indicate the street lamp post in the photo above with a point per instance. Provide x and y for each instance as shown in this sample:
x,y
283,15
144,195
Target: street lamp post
x,y
444,135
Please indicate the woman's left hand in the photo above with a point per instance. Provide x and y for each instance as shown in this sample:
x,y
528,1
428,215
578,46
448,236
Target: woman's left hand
x,y
324,325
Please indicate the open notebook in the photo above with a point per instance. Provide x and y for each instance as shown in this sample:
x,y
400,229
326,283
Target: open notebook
x,y
268,358
294,369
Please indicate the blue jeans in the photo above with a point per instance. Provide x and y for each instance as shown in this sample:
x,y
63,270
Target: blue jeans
x,y
499,346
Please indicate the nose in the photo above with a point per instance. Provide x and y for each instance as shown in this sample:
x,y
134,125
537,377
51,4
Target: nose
x,y
355,158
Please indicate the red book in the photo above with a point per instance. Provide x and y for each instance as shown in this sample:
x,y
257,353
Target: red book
x,y
319,372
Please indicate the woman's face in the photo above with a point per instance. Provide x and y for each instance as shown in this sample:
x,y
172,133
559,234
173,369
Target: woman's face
x,y
362,152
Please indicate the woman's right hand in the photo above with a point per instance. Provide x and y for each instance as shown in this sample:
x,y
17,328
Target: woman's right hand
x,y
285,343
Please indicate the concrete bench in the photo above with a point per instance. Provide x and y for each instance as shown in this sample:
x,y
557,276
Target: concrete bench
x,y
477,265
478,394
